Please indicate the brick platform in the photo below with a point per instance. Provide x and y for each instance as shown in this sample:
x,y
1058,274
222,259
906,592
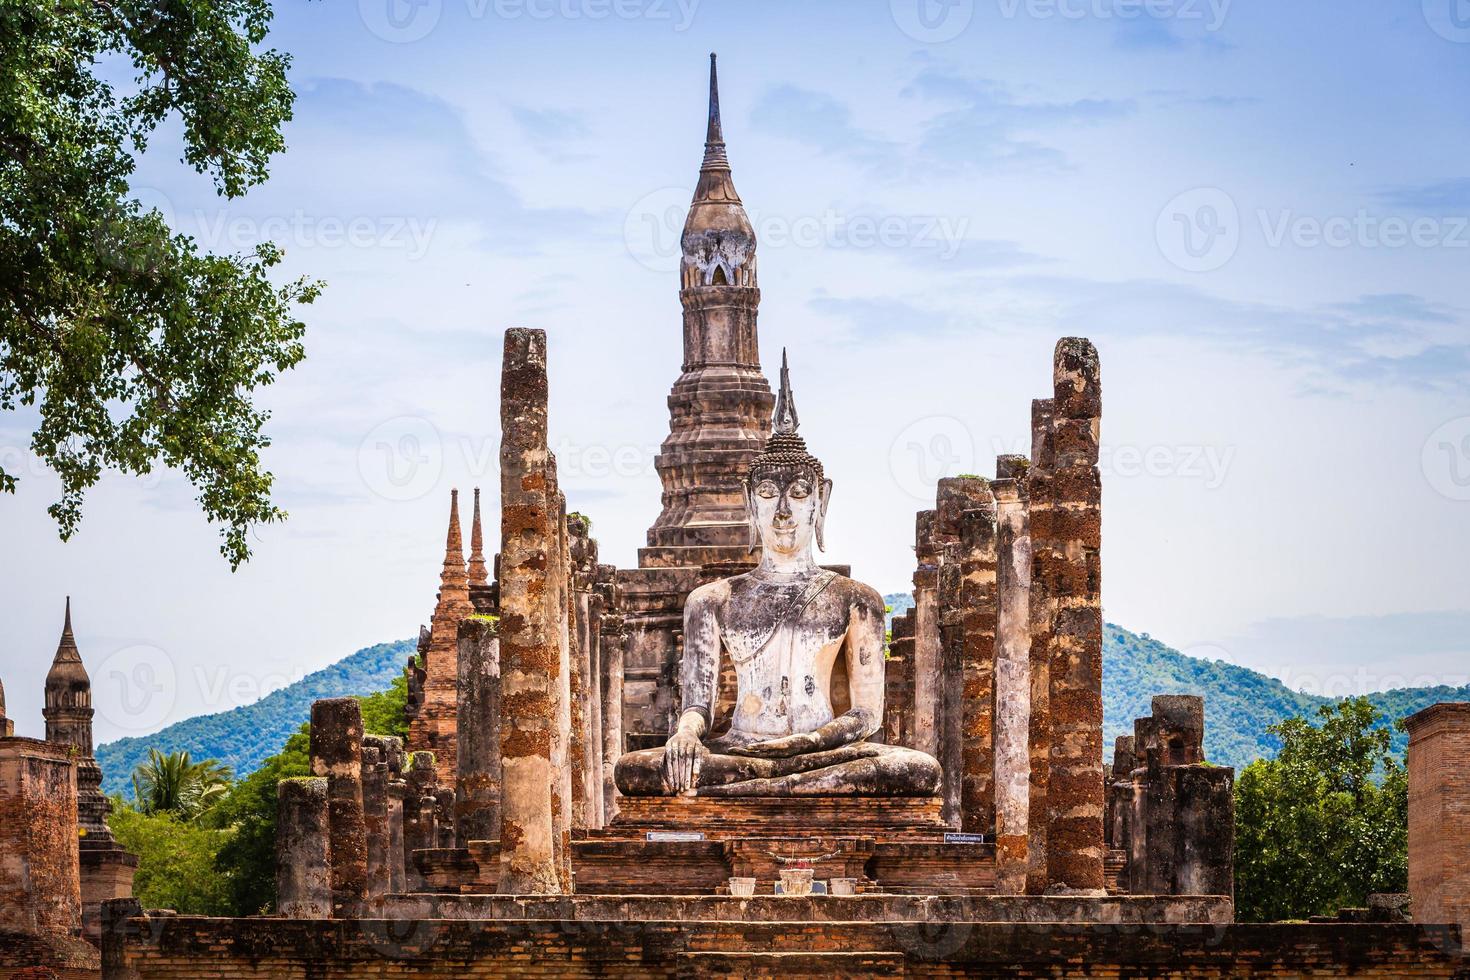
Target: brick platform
x,y
142,948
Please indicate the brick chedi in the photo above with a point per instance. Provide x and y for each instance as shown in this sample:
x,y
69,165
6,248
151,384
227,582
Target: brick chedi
x,y
432,727
106,869
719,419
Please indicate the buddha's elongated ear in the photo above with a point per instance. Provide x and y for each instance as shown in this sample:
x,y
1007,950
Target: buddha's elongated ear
x,y
751,520
824,498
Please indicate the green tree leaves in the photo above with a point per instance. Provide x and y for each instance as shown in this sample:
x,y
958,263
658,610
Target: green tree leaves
x,y
1325,823
137,349
175,785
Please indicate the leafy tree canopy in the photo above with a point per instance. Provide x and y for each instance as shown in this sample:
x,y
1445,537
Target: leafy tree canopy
x,y
176,861
1325,823
136,349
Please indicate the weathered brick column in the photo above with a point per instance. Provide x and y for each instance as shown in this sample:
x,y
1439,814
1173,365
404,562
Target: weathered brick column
x,y
1117,826
977,556
336,755
928,652
1439,813
1075,849
559,576
418,816
375,814
1012,673
585,747
531,658
303,868
1040,609
397,793
611,640
477,789
40,876
1180,828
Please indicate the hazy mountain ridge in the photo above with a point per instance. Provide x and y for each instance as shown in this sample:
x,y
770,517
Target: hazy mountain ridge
x,y
1239,704
244,737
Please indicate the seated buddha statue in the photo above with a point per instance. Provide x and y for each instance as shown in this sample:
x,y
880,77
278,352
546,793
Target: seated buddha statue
x,y
783,625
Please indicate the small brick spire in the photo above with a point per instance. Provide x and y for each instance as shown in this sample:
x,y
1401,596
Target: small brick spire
x,y
479,574
453,576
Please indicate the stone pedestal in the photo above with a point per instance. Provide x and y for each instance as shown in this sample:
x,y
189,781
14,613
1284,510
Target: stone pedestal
x,y
1439,813
107,872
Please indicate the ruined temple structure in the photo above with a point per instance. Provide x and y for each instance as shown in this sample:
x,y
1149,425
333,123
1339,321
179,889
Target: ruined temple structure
x,y
710,765
106,868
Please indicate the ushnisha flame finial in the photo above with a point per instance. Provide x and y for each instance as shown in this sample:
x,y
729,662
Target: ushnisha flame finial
x,y
786,449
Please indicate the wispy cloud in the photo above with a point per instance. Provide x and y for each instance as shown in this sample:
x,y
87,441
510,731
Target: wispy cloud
x,y
1441,197
989,127
825,124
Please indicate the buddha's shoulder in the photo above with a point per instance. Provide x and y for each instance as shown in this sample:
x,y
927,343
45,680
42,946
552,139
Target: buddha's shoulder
x,y
711,593
855,593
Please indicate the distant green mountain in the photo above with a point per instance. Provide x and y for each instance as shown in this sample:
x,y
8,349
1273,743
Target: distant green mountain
x,y
1239,703
243,737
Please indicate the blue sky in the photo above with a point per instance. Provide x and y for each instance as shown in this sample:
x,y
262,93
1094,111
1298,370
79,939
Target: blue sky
x,y
1258,211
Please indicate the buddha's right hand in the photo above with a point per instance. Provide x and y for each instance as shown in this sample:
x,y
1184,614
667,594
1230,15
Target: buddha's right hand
x,y
683,755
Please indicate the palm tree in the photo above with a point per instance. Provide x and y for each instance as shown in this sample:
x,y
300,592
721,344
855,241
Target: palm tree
x,y
174,784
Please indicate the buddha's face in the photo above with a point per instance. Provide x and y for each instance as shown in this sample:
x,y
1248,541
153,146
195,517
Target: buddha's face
x,y
787,507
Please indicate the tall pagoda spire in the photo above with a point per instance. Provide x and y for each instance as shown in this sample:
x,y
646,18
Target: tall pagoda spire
x,y
479,574
720,407
714,134
68,714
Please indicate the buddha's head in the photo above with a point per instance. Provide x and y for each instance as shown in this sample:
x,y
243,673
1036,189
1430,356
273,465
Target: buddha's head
x,y
786,493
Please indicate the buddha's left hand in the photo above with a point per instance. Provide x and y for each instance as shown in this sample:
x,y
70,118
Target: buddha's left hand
x,y
780,748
